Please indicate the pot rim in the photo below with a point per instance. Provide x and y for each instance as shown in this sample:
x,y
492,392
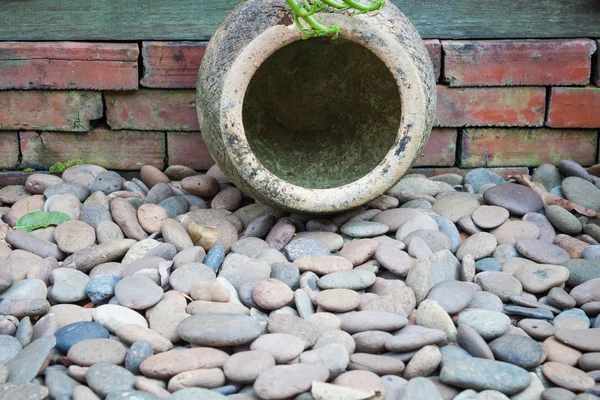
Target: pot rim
x,y
387,173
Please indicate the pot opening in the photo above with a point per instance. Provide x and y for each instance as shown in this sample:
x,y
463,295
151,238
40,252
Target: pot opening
x,y
322,113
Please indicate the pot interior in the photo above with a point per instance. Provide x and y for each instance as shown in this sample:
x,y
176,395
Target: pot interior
x,y
322,113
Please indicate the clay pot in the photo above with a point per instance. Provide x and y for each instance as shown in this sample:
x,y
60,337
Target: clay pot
x,y
316,125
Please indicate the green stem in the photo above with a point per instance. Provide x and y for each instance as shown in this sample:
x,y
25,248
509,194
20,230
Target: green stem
x,y
375,5
336,5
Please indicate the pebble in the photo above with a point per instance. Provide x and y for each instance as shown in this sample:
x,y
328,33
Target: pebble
x,y
479,245
563,220
393,259
136,354
501,284
431,315
112,317
24,367
283,381
70,335
541,278
68,285
101,288
581,192
94,351
305,248
567,377
453,296
470,340
480,374
481,176
106,378
219,329
518,350
355,280
166,365
138,292
489,324
455,207
517,199
364,229
489,217
581,271
338,300
10,348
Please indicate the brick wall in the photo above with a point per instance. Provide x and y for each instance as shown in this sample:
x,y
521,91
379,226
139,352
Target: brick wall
x,y
501,104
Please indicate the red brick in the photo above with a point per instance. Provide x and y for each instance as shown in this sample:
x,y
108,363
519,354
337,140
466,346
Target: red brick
x,y
49,110
440,150
597,64
189,149
531,147
523,106
68,65
9,149
13,178
126,150
171,64
153,110
503,172
574,108
434,47
517,62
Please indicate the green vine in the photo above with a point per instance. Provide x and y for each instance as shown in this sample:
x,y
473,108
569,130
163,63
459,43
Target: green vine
x,y
309,10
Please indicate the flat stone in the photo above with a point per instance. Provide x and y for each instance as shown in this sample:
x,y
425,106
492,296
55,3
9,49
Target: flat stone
x,y
26,365
272,294
501,284
138,292
333,241
23,391
283,347
582,271
582,192
517,199
283,381
488,264
68,285
563,220
431,315
414,337
333,356
10,348
244,367
378,364
479,177
455,207
547,232
130,334
480,374
511,231
112,317
70,335
518,350
338,300
323,265
541,278
479,245
470,340
449,229
372,342
453,296
184,278
567,377
25,290
101,288
572,319
582,339
418,222
539,313
393,259
542,252
106,378
372,321
136,354
586,292
219,329
354,280
489,324
95,351
536,328
165,365
444,267
302,248
291,324
364,229
489,217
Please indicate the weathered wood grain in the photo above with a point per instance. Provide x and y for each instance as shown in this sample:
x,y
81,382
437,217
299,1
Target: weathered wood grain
x,y
198,19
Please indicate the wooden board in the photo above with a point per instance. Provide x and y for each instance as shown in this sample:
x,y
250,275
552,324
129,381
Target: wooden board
x,y
197,19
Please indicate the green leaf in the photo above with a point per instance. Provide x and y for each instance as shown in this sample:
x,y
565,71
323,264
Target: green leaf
x,y
40,219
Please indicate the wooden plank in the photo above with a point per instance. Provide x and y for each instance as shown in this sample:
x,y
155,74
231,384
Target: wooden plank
x,y
198,19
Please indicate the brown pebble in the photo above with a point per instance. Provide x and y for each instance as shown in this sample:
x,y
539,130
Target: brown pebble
x,y
151,217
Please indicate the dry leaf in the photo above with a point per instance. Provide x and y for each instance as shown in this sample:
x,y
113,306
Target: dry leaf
x,y
553,200
203,236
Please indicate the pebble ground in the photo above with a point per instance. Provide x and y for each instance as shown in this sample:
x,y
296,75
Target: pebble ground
x,y
177,286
